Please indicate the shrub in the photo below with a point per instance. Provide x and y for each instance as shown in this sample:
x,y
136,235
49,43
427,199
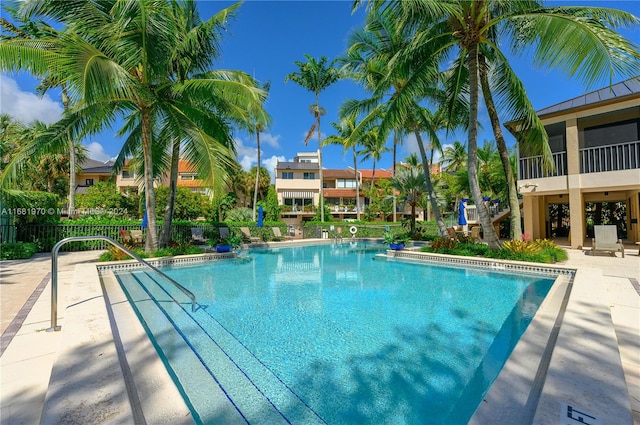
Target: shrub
x,y
17,250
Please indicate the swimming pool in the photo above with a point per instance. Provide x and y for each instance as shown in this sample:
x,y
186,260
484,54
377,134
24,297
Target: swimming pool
x,y
327,334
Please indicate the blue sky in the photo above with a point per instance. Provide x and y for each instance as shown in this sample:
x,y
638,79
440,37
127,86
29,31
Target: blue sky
x,y
264,40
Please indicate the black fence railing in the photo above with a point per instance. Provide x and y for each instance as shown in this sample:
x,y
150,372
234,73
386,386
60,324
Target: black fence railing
x,y
47,235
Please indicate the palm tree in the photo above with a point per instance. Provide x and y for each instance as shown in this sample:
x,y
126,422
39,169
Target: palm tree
x,y
118,61
259,121
316,76
410,182
454,157
579,40
374,145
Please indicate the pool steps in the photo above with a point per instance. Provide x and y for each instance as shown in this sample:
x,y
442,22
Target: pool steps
x,y
254,390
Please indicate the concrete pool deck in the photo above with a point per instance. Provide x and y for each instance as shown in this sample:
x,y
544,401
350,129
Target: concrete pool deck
x,y
29,354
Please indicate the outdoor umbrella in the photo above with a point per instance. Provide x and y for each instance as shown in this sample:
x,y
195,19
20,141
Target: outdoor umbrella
x,y
260,211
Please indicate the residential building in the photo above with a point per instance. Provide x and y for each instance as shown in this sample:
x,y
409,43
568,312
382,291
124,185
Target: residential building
x,y
595,143
297,185
93,171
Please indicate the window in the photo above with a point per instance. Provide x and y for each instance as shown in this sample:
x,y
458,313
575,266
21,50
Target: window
x,y
611,134
346,183
187,177
126,174
287,175
89,182
309,176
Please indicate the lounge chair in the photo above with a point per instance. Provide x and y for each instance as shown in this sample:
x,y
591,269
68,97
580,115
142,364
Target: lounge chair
x,y
606,239
224,232
278,234
451,232
136,237
246,234
197,235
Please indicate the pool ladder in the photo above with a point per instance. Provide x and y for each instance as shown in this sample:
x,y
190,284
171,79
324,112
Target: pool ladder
x,y
54,274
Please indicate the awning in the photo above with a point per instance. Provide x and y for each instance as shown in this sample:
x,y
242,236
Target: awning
x,y
297,194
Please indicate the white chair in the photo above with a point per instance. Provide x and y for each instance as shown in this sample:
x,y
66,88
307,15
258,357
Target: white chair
x,y
606,239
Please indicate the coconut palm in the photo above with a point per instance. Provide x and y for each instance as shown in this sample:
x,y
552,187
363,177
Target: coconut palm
x,y
454,157
315,76
259,121
118,62
579,40
410,182
374,145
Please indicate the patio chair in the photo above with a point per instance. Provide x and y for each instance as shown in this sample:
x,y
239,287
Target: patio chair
x,y
475,234
246,235
606,239
197,235
136,237
451,232
278,234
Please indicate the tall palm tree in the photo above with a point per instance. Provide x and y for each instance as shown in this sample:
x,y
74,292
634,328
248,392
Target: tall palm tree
x,y
374,145
454,157
118,61
579,40
259,121
410,182
315,76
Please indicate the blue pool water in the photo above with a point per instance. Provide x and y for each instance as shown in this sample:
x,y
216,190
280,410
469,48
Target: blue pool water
x,y
328,334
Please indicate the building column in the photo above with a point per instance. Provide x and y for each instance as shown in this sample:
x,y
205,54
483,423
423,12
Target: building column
x,y
576,199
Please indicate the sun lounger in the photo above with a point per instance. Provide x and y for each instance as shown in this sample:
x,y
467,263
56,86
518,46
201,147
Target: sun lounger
x,y
278,234
197,235
246,235
606,239
136,237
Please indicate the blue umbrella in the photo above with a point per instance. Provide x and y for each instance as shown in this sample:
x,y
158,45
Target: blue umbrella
x,y
462,221
144,219
260,211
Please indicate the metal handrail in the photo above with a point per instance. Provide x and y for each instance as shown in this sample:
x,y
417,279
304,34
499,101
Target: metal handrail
x,y
54,274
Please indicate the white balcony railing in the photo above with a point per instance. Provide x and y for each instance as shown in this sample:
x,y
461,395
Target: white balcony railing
x,y
623,156
531,167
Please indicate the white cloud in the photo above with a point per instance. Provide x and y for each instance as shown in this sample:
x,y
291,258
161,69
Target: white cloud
x,y
27,106
96,151
270,140
246,155
270,165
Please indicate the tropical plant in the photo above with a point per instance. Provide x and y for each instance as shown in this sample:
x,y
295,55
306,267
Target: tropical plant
x,y
409,181
579,40
395,238
127,69
315,76
373,143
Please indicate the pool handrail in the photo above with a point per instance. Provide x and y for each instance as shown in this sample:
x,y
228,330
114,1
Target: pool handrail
x,y
54,274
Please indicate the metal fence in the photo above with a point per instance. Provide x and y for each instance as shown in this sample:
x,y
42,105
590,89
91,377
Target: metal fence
x,y
47,235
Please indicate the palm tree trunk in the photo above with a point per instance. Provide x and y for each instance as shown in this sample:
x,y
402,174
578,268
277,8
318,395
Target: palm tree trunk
x,y
165,231
489,234
395,150
442,228
255,190
320,161
514,203
355,169
71,207
151,240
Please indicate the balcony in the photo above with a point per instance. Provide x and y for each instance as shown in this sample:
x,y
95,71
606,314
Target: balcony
x,y
618,157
